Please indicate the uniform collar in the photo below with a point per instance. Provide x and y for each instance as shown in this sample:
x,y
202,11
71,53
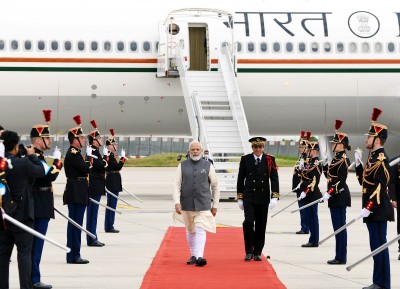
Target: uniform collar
x,y
256,157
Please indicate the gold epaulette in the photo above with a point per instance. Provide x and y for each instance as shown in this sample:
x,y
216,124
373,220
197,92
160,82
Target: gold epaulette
x,y
275,195
74,151
240,196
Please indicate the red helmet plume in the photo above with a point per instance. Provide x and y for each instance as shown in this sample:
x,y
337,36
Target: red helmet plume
x,y
112,131
338,124
375,114
93,123
308,135
302,133
47,115
77,119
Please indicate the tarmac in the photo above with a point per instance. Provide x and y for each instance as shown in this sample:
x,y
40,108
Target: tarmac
x,y
124,260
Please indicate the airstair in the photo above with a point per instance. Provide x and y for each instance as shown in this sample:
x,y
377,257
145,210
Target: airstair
x,y
217,118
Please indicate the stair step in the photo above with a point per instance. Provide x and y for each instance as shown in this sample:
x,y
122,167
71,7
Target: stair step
x,y
212,96
212,126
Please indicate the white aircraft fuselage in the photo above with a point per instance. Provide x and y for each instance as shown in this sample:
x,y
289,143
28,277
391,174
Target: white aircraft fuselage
x,y
300,64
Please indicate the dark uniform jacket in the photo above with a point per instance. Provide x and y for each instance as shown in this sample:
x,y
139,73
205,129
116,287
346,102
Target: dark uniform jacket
x,y
374,179
297,171
253,183
43,189
113,178
394,184
20,180
336,175
310,177
97,175
76,171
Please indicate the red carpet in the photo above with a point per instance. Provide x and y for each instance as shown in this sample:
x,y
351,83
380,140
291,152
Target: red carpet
x,y
225,269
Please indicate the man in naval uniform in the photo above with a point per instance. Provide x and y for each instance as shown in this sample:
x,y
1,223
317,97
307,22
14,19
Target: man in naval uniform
x,y
194,202
76,189
43,194
394,191
206,156
377,209
113,181
97,182
256,172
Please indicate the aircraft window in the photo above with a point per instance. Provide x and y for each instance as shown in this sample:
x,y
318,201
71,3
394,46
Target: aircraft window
x,y
378,47
238,47
28,45
314,47
67,45
133,46
365,47
276,47
120,46
250,47
353,47
54,45
157,46
146,46
41,45
107,46
263,47
81,46
94,46
339,47
302,47
289,47
390,47
175,29
327,47
14,45
2,45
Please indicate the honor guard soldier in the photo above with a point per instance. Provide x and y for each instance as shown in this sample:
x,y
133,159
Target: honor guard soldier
x,y
76,189
97,183
20,207
310,192
338,193
113,181
43,193
377,209
256,172
296,180
394,191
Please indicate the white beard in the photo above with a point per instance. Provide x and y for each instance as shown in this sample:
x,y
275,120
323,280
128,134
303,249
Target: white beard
x,y
195,158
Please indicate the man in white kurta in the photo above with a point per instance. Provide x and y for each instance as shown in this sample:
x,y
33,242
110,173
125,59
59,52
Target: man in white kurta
x,y
195,204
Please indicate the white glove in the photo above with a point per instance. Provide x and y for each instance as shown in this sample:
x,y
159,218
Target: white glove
x,y
301,164
364,213
326,196
302,195
240,204
56,154
105,151
1,149
357,157
273,203
89,152
123,154
324,158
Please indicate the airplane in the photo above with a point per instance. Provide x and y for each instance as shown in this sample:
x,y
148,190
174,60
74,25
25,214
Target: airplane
x,y
299,64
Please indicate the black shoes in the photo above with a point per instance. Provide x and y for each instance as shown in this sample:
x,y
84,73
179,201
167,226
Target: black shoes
x,y
41,285
398,258
301,232
336,262
78,261
112,231
373,286
200,262
309,245
248,257
257,258
96,244
191,261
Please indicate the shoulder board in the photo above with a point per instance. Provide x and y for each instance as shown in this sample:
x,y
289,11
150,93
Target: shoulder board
x,y
344,156
74,151
270,156
381,157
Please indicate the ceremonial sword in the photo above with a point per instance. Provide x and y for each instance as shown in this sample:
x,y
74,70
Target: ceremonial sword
x,y
373,253
285,207
308,205
104,206
75,223
33,232
132,195
117,197
340,229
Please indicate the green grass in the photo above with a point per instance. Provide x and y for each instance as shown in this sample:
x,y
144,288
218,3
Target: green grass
x,y
169,160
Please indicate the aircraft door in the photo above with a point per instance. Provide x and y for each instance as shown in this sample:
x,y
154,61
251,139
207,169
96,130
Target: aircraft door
x,y
198,40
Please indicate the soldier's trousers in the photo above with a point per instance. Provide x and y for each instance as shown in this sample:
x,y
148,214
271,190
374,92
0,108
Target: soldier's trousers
x,y
40,225
110,215
91,218
255,222
313,223
338,216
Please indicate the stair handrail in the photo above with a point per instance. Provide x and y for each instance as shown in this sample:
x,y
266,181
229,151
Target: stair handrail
x,y
226,66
